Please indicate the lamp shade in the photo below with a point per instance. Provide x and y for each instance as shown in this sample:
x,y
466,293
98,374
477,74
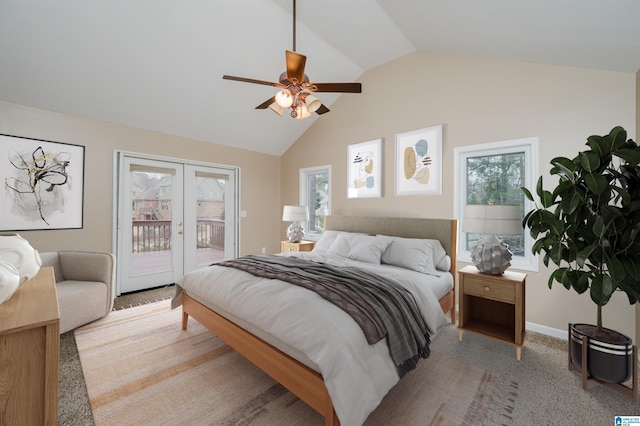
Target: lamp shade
x,y
302,112
312,103
295,214
284,98
492,219
276,108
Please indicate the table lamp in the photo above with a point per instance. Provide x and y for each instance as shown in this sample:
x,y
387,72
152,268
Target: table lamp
x,y
490,255
295,214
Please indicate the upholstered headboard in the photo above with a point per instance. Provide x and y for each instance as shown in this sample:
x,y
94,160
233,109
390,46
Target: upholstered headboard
x,y
445,230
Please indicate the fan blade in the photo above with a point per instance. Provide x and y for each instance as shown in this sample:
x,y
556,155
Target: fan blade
x,y
266,103
323,109
250,80
295,66
338,87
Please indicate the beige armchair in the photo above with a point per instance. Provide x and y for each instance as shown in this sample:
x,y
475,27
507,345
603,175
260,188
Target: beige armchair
x,y
85,285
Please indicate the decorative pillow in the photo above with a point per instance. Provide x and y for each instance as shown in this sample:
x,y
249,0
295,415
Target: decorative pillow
x,y
444,264
439,254
367,248
418,254
361,247
341,244
325,241
329,237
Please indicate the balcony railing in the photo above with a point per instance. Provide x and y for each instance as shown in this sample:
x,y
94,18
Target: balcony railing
x,y
210,234
155,235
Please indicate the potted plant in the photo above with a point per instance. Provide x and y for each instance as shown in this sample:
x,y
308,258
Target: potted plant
x,y
589,227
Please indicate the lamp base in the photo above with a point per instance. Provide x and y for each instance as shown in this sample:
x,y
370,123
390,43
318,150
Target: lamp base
x,y
295,232
491,256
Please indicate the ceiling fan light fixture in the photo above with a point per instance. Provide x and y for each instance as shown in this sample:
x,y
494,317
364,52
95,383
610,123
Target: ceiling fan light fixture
x,y
276,108
312,103
302,112
284,98
295,87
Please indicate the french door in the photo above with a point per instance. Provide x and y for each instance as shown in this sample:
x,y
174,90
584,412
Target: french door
x,y
172,218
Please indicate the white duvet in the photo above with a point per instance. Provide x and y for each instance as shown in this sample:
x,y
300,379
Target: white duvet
x,y
357,375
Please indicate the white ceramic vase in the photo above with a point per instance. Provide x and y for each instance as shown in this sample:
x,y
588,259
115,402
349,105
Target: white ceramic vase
x,y
9,281
17,251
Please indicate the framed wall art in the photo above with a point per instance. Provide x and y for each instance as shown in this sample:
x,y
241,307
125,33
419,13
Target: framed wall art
x,y
364,169
419,162
42,184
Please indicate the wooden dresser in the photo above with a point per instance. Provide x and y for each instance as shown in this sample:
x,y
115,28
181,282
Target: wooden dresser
x,y
30,351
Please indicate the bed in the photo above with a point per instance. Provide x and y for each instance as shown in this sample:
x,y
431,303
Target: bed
x,y
273,343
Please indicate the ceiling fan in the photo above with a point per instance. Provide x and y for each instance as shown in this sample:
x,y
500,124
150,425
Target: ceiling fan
x,y
296,89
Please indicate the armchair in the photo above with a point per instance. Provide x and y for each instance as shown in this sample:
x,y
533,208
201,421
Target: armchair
x,y
84,283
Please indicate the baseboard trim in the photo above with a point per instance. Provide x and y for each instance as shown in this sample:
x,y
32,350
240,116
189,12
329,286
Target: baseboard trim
x,y
549,331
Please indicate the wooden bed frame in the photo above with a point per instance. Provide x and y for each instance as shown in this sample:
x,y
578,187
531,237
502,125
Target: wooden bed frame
x,y
302,381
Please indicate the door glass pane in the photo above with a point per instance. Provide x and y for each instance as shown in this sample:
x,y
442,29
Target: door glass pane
x,y
151,192
210,217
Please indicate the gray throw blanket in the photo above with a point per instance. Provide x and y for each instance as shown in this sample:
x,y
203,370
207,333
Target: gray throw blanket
x,y
380,306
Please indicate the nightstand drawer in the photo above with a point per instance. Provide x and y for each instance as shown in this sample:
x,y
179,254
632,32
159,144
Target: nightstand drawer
x,y
286,246
503,292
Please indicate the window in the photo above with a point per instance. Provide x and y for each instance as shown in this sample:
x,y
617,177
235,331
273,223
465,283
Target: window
x,y
315,193
494,173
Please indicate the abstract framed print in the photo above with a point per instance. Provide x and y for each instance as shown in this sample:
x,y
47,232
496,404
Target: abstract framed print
x,y
364,169
419,162
42,184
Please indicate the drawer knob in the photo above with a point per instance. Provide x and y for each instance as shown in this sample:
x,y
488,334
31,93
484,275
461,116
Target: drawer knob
x,y
487,288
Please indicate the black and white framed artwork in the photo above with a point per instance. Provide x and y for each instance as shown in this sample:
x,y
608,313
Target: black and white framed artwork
x,y
42,184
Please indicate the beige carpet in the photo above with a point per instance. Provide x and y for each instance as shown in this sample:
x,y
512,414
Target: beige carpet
x,y
141,368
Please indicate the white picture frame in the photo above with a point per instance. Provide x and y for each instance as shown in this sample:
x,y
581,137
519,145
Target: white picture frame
x,y
364,169
419,162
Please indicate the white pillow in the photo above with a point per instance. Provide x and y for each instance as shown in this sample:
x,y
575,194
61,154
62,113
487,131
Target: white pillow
x,y
444,264
418,254
360,247
439,254
369,249
341,244
326,239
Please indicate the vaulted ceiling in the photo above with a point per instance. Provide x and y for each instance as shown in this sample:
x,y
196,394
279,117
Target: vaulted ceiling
x,y
158,64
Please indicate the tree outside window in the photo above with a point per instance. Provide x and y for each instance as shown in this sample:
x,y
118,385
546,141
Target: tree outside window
x,y
315,187
496,179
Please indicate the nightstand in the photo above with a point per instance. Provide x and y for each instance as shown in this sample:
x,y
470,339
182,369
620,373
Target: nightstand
x,y
493,305
300,246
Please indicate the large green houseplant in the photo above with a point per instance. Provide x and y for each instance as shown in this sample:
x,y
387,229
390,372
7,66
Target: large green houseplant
x,y
589,224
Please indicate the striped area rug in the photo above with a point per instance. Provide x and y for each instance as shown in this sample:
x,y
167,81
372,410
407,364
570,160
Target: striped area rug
x,y
142,369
